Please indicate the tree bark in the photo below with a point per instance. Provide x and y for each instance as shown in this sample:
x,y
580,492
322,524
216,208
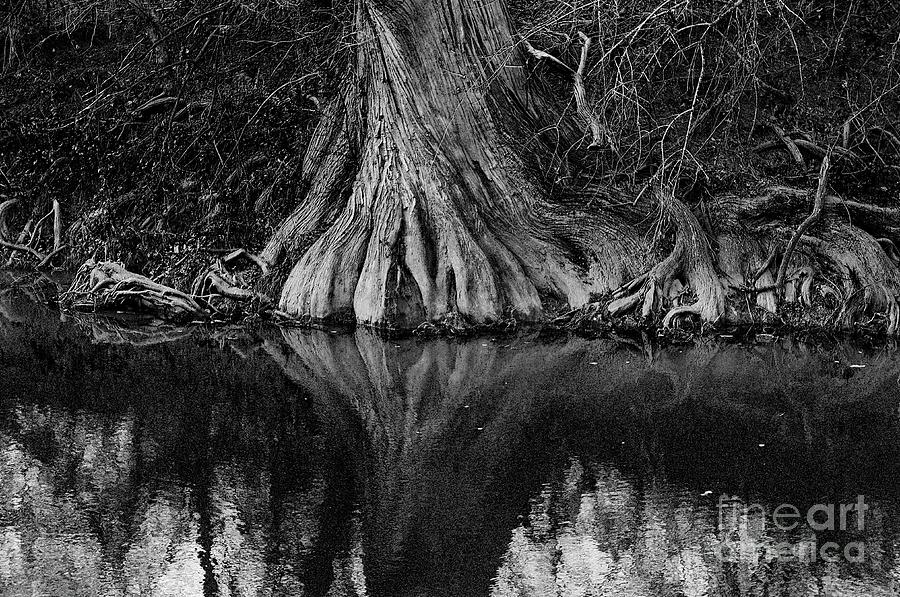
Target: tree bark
x,y
417,205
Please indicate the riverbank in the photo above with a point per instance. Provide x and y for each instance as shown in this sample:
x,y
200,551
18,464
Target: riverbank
x,y
45,290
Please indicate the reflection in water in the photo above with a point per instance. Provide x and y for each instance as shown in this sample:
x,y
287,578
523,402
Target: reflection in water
x,y
286,462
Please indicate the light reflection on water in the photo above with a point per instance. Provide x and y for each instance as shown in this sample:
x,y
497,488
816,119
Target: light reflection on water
x,y
283,462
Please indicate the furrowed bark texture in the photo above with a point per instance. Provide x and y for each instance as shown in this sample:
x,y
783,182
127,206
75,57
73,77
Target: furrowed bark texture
x,y
417,206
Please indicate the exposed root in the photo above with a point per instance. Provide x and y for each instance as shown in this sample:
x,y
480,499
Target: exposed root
x,y
791,146
692,309
108,286
890,249
218,283
796,142
689,265
238,254
871,280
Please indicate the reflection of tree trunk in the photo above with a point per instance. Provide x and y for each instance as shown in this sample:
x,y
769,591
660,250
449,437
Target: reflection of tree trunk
x,y
440,444
429,465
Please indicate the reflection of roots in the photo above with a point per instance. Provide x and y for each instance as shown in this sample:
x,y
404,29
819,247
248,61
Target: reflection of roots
x,y
111,331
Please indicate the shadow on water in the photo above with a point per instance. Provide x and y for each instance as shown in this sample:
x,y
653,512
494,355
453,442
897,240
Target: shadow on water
x,y
165,461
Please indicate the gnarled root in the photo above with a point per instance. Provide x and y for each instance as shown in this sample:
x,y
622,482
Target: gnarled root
x,y
219,290
108,286
871,280
688,266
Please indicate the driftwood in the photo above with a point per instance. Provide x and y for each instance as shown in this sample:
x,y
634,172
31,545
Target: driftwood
x,y
107,286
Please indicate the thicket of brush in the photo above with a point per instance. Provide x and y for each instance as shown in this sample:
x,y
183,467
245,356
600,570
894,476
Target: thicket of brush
x,y
690,86
161,127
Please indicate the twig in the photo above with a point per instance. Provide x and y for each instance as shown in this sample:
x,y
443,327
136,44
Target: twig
x,y
542,55
581,104
24,249
57,226
766,265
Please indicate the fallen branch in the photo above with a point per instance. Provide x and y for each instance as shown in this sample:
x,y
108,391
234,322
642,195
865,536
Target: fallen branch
x,y
790,144
796,141
822,152
581,102
57,226
773,253
108,286
542,55
584,109
23,249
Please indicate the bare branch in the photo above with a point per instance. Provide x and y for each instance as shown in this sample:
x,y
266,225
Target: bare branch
x,y
542,55
809,221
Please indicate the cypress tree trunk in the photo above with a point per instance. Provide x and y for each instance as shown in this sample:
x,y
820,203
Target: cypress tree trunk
x,y
424,201
418,205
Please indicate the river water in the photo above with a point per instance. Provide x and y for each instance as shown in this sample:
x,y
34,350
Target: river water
x,y
239,462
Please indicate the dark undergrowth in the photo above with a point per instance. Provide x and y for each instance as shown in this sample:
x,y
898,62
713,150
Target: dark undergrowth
x,y
167,130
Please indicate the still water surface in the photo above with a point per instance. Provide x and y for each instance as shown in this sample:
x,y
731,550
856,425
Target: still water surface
x,y
288,462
